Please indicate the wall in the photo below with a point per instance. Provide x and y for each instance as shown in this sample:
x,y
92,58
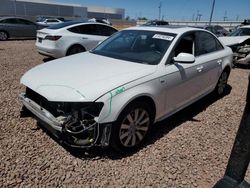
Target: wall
x,y
32,8
226,24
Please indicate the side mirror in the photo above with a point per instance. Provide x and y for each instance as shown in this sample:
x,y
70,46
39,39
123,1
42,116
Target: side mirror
x,y
184,58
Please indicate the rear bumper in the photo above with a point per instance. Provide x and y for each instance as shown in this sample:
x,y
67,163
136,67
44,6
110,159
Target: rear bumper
x,y
51,124
51,52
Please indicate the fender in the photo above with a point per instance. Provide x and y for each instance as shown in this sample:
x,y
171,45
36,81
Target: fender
x,y
116,100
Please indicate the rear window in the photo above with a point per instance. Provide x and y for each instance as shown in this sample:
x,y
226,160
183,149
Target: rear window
x,y
10,21
64,24
88,29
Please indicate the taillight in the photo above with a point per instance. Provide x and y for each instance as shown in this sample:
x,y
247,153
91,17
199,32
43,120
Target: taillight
x,y
52,37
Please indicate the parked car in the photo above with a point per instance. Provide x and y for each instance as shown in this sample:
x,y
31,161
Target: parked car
x,y
13,27
100,20
155,23
241,31
217,30
49,21
42,18
71,37
239,41
112,94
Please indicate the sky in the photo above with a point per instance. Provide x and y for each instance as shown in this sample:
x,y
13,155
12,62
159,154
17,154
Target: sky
x,y
176,9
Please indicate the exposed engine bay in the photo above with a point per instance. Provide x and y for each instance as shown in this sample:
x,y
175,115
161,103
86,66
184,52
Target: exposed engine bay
x,y
241,53
75,122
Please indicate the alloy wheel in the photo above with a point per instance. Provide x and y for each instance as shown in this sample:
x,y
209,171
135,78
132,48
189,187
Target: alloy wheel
x,y
222,83
134,127
3,35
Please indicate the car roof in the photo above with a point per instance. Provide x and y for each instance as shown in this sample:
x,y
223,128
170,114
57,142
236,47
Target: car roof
x,y
167,28
8,17
66,25
245,26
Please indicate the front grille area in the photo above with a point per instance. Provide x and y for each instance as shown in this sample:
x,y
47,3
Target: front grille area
x,y
62,108
52,107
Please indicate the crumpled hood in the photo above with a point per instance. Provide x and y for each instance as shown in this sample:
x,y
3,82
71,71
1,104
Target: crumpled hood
x,y
233,40
82,77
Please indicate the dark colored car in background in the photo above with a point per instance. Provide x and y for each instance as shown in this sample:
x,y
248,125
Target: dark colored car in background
x,y
217,30
156,23
13,27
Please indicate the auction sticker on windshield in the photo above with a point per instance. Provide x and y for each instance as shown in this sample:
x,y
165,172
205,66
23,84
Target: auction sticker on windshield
x,y
163,37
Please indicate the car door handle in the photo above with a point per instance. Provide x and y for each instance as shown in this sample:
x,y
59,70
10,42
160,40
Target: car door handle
x,y
162,80
199,69
219,61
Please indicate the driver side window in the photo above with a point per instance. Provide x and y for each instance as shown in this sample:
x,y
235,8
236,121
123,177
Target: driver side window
x,y
185,45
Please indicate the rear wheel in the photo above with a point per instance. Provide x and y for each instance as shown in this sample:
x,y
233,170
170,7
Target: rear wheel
x,y
75,50
3,35
132,126
222,83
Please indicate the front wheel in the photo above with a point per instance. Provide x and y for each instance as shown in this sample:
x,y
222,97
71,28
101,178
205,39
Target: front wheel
x,y
3,35
222,83
131,128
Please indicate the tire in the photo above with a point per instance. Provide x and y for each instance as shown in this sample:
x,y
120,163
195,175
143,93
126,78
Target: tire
x,y
75,50
3,35
131,127
222,83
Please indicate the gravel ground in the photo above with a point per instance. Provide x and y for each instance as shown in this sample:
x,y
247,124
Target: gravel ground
x,y
190,149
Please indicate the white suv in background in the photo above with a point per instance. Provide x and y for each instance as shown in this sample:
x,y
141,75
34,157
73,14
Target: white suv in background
x,y
71,37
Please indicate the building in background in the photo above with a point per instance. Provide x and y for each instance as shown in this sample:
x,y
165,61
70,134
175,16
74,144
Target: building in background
x,y
105,12
34,8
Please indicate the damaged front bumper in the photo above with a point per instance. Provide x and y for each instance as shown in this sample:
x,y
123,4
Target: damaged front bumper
x,y
69,131
242,55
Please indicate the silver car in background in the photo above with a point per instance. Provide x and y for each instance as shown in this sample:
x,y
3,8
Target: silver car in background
x,y
13,27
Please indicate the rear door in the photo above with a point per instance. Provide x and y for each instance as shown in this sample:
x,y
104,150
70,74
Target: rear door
x,y
28,28
92,34
105,31
88,35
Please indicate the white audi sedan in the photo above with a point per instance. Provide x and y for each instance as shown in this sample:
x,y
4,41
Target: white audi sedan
x,y
71,37
114,93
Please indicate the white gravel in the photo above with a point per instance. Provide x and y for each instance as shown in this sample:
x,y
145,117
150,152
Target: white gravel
x,y
190,149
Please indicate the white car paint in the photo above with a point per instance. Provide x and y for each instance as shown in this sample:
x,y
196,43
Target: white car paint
x,y
88,77
233,40
54,81
60,47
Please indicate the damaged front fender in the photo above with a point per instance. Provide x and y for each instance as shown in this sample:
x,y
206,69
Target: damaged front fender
x,y
73,123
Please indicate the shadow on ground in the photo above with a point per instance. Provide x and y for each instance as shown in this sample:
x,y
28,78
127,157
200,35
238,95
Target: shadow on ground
x,y
157,131
241,66
46,59
21,39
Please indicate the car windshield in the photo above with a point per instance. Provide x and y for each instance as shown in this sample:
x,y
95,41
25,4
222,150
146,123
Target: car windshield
x,y
241,32
147,47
